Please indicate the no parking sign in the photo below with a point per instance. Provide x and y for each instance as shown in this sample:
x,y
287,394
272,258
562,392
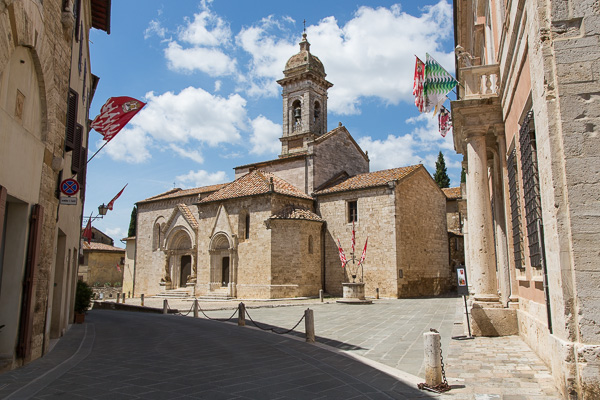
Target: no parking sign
x,y
69,187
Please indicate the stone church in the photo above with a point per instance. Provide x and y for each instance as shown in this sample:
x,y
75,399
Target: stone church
x,y
273,231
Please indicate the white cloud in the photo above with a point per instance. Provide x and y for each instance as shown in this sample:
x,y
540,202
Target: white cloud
x,y
193,155
155,28
393,152
130,145
207,29
212,61
116,233
193,114
201,178
218,84
265,136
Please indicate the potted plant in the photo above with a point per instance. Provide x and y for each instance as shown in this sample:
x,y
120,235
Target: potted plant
x,y
83,300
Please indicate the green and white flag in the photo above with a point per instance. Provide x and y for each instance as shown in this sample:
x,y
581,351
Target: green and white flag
x,y
438,83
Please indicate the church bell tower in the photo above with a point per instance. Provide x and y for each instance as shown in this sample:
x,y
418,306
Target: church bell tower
x,y
304,100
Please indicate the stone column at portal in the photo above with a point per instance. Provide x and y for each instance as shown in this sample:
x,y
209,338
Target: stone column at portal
x,y
479,210
500,227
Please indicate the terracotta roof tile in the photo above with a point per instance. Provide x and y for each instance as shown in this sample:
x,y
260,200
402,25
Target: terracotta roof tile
x,y
452,193
370,179
100,247
177,192
252,184
294,212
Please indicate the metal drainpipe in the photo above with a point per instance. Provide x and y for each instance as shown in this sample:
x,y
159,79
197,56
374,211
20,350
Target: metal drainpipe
x,y
323,258
545,271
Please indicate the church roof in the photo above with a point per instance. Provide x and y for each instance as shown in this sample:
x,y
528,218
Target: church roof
x,y
177,192
95,246
305,60
255,183
370,179
294,212
452,193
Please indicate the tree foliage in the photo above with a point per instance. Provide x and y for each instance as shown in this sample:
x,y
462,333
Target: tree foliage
x,y
133,223
441,175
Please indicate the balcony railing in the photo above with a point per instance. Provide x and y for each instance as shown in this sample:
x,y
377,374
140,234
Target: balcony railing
x,y
480,81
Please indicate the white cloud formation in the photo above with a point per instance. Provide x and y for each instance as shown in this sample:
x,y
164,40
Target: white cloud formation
x,y
265,136
212,61
201,178
207,29
193,155
155,28
130,145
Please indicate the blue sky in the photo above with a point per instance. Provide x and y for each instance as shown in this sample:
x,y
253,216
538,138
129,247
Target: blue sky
x,y
207,70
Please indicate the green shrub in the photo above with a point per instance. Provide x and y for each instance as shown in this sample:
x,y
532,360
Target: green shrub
x,y
83,297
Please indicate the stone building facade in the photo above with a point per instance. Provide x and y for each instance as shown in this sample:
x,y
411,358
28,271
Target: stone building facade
x,y
45,89
526,121
273,231
103,264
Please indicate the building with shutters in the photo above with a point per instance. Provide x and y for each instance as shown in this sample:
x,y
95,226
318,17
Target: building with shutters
x,y
46,86
273,231
527,123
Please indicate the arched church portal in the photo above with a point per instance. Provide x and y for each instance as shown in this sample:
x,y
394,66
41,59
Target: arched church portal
x,y
179,269
222,263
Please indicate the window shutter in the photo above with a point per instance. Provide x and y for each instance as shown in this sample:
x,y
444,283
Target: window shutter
x,y
77,15
77,149
72,102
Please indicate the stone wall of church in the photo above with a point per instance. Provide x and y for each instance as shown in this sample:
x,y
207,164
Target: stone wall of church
x,y
292,171
422,238
295,258
376,219
150,260
336,154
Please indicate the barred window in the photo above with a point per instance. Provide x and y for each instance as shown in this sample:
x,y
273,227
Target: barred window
x,y
515,208
531,190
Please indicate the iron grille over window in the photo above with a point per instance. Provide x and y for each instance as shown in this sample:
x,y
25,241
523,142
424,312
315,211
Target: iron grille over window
x,y
515,209
531,189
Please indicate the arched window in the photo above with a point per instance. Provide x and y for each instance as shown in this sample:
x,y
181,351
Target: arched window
x,y
296,115
310,244
247,227
156,237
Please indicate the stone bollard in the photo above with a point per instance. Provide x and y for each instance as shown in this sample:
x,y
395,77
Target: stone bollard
x,y
129,294
142,299
165,306
321,295
123,299
118,297
433,362
241,314
309,325
195,308
377,293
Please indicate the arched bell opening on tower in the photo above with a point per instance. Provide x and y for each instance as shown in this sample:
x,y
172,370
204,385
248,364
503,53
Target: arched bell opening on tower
x,y
316,118
297,115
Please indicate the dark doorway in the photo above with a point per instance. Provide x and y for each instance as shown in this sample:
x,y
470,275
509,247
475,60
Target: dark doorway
x,y
225,271
186,270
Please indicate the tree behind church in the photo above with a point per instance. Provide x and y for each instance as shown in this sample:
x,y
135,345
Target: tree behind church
x,y
441,176
132,223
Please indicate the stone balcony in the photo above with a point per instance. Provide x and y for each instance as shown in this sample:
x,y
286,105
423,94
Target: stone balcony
x,y
478,109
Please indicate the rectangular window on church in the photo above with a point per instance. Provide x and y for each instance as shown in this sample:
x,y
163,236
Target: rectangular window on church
x,y
352,211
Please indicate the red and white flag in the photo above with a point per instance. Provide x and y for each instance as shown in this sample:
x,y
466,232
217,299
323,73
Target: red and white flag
x,y
110,204
87,232
118,267
115,114
444,121
342,255
364,253
418,85
353,237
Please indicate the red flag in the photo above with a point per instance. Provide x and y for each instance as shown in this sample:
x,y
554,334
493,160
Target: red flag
x,y
114,115
342,255
87,232
353,237
418,84
444,121
364,253
110,204
118,267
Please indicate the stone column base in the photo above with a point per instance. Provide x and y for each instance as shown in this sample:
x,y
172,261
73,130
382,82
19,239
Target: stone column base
x,y
491,319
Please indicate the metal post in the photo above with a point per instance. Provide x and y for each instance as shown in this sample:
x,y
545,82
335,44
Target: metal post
x,y
377,293
309,325
241,314
118,297
165,306
433,362
195,308
321,295
123,300
142,297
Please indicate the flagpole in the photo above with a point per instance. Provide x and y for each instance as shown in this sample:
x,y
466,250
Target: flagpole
x,y
94,155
